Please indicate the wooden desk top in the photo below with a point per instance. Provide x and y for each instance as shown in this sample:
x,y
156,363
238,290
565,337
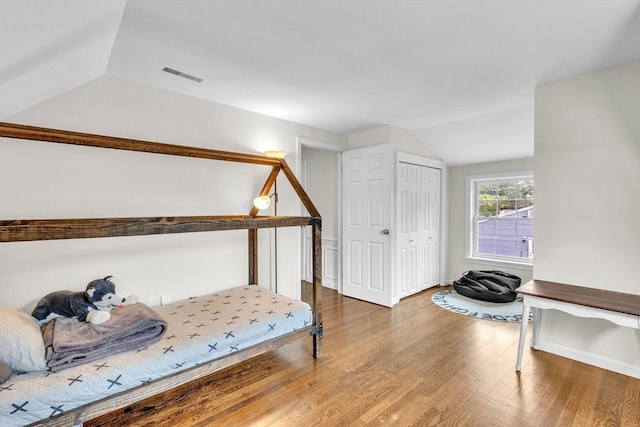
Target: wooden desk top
x,y
597,298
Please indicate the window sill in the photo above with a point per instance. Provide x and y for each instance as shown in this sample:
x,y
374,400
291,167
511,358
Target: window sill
x,y
500,263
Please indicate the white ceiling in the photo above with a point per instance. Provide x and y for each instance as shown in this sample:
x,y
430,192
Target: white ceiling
x,y
460,75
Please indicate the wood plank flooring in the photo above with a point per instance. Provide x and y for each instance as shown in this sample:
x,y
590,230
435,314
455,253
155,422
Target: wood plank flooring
x,y
413,365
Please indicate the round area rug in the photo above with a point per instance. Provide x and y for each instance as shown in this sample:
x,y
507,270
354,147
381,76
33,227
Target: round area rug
x,y
501,312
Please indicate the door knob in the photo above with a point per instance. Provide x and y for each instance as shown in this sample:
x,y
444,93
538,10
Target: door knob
x,y
385,231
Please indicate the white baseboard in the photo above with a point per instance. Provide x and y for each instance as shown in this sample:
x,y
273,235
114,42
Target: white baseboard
x,y
590,359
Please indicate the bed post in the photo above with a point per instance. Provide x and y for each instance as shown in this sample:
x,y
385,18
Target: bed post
x,y
253,256
316,222
317,287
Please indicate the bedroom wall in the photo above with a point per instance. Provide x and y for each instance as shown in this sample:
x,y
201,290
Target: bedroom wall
x,y
401,140
587,171
41,180
456,217
323,187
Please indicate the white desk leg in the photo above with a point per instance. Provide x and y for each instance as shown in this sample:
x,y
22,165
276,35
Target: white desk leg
x,y
523,334
537,320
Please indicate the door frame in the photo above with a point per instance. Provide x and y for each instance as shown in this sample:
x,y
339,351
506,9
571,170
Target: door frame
x,y
402,157
325,146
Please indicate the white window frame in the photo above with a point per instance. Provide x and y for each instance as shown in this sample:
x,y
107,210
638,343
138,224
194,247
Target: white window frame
x,y
471,238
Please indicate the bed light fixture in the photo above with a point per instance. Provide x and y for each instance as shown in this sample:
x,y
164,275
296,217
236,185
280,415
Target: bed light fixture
x,y
262,202
275,154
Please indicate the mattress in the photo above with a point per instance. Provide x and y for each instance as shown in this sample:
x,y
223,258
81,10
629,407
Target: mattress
x,y
199,330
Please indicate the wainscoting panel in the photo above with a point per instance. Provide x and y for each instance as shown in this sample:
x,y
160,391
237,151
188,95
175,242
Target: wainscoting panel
x,y
330,263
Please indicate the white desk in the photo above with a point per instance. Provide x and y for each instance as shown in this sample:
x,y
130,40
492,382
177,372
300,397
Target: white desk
x,y
619,308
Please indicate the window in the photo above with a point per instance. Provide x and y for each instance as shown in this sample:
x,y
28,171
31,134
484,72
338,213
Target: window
x,y
500,219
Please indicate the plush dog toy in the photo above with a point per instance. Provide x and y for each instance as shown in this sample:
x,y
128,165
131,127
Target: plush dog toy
x,y
92,305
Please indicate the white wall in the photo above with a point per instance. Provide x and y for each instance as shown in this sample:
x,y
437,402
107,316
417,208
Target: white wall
x,y
41,180
587,172
401,140
456,217
322,168
323,184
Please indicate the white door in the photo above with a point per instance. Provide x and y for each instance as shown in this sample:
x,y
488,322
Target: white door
x,y
431,188
418,231
366,205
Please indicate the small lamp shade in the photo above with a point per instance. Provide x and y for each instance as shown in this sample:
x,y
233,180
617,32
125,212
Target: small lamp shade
x,y
262,202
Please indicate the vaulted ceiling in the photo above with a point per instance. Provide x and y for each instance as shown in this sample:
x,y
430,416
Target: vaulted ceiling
x,y
460,75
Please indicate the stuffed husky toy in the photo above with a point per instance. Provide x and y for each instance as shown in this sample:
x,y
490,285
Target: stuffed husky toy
x,y
90,306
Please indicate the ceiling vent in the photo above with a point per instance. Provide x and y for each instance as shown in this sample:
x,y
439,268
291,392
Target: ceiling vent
x,y
181,74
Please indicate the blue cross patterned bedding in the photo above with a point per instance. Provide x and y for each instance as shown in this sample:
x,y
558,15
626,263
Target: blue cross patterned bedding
x,y
198,330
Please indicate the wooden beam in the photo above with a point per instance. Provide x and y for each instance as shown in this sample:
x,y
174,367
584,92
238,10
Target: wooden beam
x,y
52,229
304,197
12,130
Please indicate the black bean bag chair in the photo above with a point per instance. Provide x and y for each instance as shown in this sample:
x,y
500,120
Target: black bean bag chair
x,y
492,286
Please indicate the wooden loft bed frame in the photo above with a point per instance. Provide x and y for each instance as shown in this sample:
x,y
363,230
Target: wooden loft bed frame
x,y
20,230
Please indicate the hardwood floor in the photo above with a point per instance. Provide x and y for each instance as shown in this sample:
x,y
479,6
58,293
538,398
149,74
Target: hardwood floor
x,y
413,365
